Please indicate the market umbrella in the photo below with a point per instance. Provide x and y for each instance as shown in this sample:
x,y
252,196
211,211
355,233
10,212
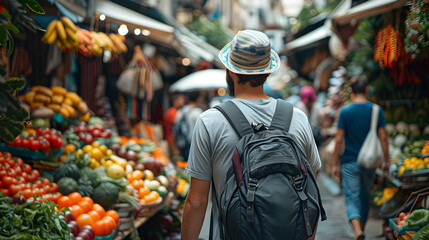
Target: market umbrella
x,y
202,80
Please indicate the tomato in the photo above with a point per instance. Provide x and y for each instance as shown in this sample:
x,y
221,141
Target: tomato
x,y
26,168
27,193
34,145
47,189
100,228
75,197
11,173
76,210
25,143
54,187
20,180
45,181
3,173
14,189
25,186
64,201
18,161
7,155
11,162
5,191
44,145
2,159
17,142
18,170
46,131
88,199
56,196
96,133
84,219
39,131
110,222
113,214
98,208
94,215
38,184
86,206
36,173
6,165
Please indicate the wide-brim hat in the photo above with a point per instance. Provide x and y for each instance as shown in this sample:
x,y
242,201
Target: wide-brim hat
x,y
249,53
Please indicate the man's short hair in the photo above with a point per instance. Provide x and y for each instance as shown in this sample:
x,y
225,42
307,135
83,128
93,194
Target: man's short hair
x,y
359,84
176,96
254,80
193,96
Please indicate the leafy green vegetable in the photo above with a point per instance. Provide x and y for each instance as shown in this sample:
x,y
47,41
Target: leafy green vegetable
x,y
31,221
85,187
419,217
67,185
106,194
422,234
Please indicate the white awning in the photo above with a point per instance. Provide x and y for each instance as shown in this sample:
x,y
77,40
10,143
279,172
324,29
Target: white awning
x,y
367,9
126,15
308,40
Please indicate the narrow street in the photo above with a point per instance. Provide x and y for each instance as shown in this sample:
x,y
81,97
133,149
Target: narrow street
x,y
337,225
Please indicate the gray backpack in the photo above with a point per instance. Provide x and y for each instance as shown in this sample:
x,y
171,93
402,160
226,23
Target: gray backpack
x,y
270,191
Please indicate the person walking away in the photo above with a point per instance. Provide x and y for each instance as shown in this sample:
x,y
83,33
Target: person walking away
x,y
353,126
309,105
185,121
177,101
249,61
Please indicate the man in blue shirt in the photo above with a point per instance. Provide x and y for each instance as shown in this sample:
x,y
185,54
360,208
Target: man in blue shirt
x,y
353,126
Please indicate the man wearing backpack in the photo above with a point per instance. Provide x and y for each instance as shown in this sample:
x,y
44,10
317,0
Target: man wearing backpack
x,y
278,199
185,121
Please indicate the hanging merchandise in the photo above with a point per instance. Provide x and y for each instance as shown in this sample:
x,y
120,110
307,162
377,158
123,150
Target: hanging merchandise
x,y
387,47
416,25
90,71
136,83
63,32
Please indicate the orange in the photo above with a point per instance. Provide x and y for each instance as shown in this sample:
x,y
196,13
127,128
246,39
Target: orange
x,y
76,210
69,148
96,144
64,201
137,184
143,192
113,214
88,199
84,219
109,152
75,197
103,149
110,222
98,208
87,148
100,228
95,216
137,175
97,154
85,205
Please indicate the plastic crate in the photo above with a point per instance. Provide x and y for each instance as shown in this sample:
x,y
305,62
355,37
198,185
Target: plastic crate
x,y
108,237
27,153
400,230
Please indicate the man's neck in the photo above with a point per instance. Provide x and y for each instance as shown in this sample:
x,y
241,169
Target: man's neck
x,y
248,92
360,98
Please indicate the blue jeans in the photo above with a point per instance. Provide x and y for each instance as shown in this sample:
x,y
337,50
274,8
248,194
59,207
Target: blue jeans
x,y
357,182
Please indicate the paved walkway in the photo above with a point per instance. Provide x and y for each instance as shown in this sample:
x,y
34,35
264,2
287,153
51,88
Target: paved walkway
x,y
337,226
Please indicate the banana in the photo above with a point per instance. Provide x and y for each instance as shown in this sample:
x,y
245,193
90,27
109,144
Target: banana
x,y
51,38
50,29
61,31
68,23
118,42
72,35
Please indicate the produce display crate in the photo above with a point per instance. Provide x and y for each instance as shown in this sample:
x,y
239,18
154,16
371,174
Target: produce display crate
x,y
27,153
126,215
108,237
401,230
149,209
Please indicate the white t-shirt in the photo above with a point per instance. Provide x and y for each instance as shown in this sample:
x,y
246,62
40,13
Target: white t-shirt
x,y
214,140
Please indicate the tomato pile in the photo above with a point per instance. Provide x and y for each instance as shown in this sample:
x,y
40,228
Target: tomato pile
x,y
18,177
42,139
87,134
87,213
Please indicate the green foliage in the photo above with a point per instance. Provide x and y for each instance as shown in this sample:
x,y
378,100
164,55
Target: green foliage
x,y
212,31
12,115
310,11
21,15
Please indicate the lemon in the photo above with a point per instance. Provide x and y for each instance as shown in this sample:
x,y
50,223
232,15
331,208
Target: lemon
x,y
115,171
87,148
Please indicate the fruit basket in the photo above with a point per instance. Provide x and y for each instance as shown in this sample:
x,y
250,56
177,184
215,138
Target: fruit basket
x,y
35,155
149,209
400,230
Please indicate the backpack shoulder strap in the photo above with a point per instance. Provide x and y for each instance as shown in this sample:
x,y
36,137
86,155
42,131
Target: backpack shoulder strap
x,y
282,115
235,118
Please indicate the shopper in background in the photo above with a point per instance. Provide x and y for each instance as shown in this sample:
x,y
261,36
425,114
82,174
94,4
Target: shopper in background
x,y
177,101
353,126
214,139
185,121
309,105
